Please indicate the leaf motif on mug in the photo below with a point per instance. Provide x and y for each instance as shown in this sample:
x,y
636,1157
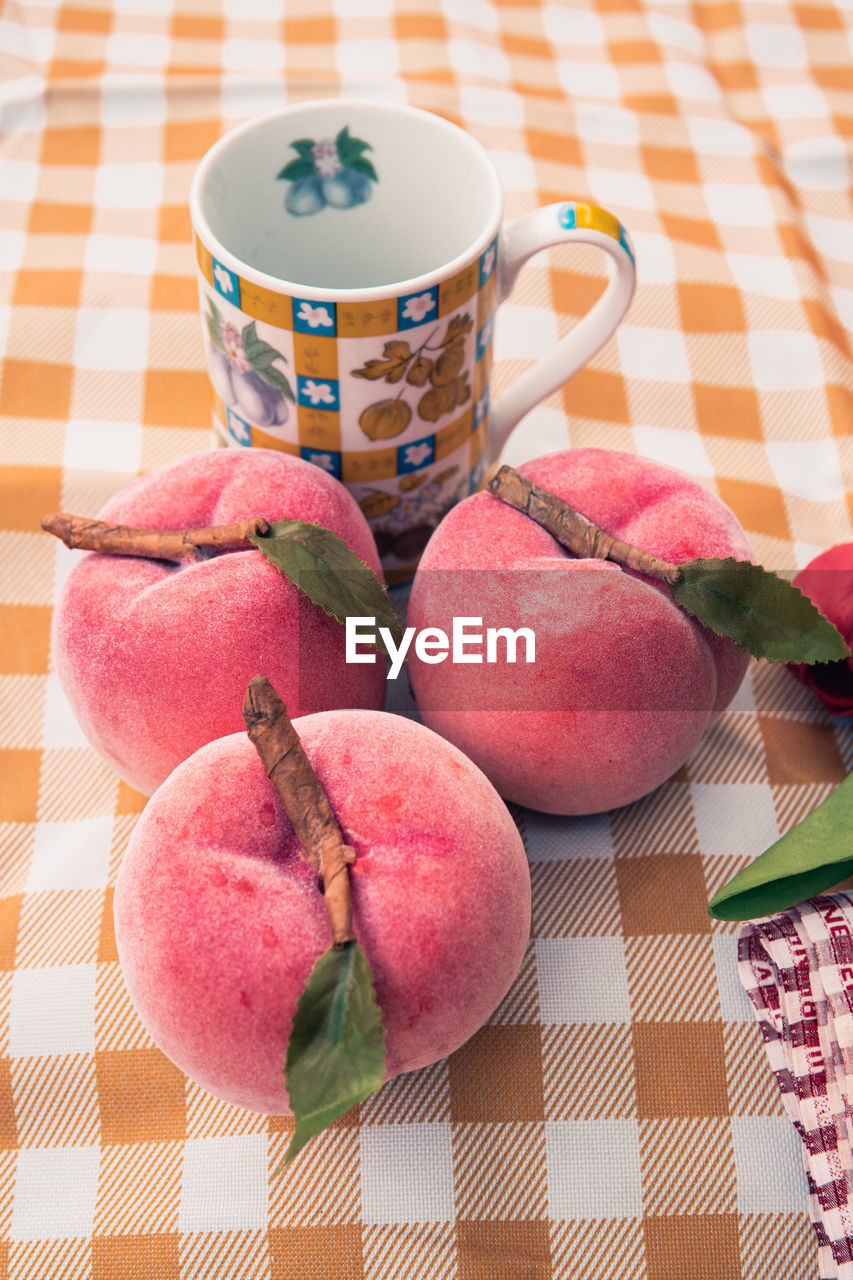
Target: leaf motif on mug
x,y
299,168
261,356
411,481
351,154
457,329
378,504
362,165
392,368
214,325
419,372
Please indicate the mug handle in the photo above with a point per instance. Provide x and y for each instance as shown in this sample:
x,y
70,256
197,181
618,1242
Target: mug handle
x,y
554,224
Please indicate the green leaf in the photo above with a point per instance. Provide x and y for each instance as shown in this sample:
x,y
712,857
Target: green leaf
x,y
302,167
809,859
249,338
350,153
261,357
342,141
336,1054
362,165
304,147
356,147
763,614
276,379
322,566
214,326
256,348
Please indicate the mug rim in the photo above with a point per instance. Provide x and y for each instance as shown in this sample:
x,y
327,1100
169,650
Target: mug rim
x,y
394,288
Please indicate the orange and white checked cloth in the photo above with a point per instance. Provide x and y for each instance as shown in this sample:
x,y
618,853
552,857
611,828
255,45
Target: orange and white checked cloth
x,y
616,1118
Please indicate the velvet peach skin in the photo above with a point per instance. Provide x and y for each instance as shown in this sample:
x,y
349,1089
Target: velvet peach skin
x,y
828,581
154,657
219,920
625,682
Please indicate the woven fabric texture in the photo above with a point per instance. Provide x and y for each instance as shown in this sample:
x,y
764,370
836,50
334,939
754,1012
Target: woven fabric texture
x,y
617,1117
796,969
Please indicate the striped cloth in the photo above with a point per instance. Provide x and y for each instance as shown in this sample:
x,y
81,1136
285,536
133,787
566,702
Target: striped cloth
x,y
797,968
616,1118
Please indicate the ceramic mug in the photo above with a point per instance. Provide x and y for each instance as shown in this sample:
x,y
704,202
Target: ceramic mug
x,y
351,257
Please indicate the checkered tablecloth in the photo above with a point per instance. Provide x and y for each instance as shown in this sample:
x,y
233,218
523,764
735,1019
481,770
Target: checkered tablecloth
x,y
617,1117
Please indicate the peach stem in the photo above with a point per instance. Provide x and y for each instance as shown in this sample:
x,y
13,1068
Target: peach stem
x,y
572,530
80,533
306,803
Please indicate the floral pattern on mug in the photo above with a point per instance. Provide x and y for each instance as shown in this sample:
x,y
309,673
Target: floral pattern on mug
x,y
315,317
243,372
318,392
235,352
418,308
331,171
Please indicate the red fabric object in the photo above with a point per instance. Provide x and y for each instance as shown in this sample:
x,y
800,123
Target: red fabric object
x,y
828,582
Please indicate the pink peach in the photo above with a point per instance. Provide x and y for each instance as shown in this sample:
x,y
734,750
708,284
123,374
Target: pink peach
x,y
219,920
154,657
624,682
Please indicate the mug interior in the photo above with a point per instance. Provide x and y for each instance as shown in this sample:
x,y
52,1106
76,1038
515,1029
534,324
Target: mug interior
x,y
435,197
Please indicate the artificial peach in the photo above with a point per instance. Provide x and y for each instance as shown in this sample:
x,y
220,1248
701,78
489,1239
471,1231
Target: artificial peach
x,y
154,657
828,582
219,919
624,682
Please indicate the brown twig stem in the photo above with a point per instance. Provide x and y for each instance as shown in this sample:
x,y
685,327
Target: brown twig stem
x,y
572,530
306,803
80,533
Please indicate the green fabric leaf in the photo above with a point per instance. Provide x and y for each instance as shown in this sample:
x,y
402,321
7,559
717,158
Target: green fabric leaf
x,y
301,167
322,566
362,165
336,1054
810,858
763,614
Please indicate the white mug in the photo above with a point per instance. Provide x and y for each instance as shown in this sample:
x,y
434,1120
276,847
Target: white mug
x,y
351,258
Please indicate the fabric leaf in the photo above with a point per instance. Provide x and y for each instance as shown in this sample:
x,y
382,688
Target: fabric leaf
x,y
322,567
809,859
336,1053
763,614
